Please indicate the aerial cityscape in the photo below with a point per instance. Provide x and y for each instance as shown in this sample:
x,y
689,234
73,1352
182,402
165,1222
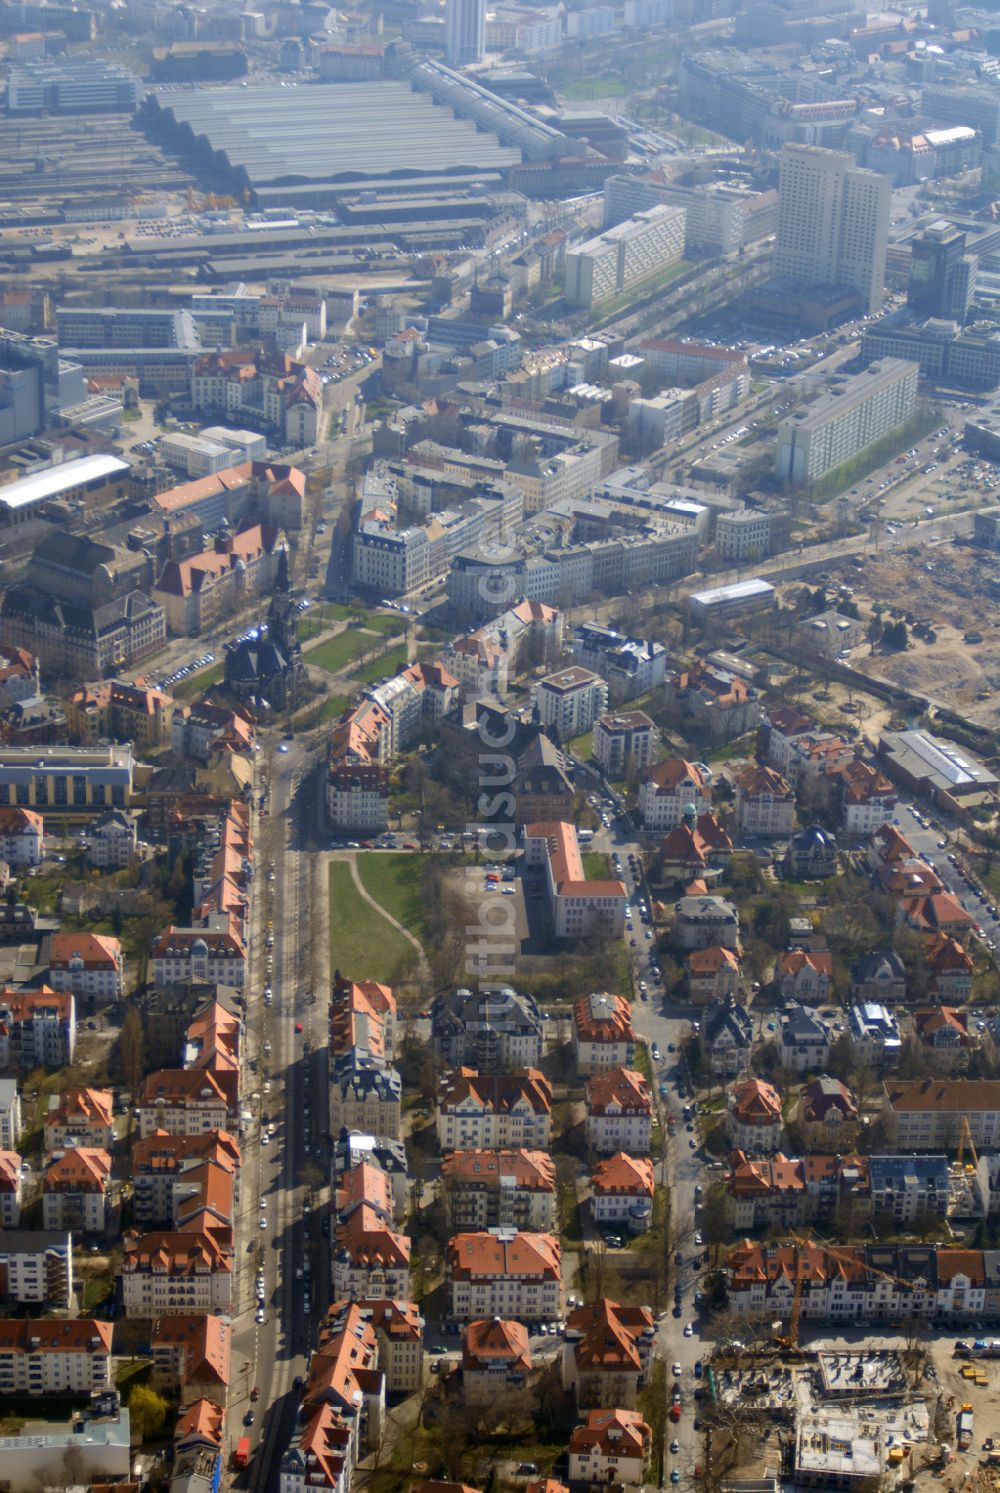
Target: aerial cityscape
x,y
499,746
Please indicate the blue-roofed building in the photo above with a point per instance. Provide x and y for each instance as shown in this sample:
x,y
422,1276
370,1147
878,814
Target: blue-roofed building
x,y
907,1187
811,854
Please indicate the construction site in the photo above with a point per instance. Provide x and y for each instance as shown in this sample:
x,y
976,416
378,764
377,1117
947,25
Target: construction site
x,y
937,587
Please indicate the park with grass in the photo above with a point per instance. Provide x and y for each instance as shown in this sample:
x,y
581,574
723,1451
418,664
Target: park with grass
x,y
363,944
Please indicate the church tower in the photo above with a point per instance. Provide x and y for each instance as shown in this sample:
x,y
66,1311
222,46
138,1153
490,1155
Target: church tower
x,y
283,615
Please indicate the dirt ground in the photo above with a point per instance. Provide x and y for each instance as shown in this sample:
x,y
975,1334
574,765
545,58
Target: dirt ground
x,y
965,1470
947,585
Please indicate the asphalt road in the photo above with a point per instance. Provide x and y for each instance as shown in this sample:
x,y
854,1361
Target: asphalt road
x,y
276,1350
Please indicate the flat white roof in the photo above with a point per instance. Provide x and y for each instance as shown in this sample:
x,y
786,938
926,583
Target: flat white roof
x,y
53,481
739,590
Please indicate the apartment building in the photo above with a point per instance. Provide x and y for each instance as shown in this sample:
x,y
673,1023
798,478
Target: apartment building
x,y
603,1036
909,1188
571,701
80,1116
925,1114
713,703
371,1261
868,798
754,1121
743,535
53,1358
623,741
610,1446
11,1186
171,1175
494,1029
874,1034
606,1352
621,1193
21,835
90,965
631,666
164,1273
579,907
625,256
76,1190
36,1268
125,712
191,1357
827,1115
879,1282
112,840
489,1111
37,1029
726,1037
712,974
399,1335
496,1359
765,803
357,1006
513,1188
619,1113
803,1040
703,922
10,1114
365,1094
501,1273
215,952
187,1101
854,414
667,788
833,222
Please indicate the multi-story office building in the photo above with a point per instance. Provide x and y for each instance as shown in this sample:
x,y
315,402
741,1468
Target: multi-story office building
x,y
121,326
852,415
833,222
74,85
946,353
622,740
66,780
979,108
942,275
625,256
716,221
465,31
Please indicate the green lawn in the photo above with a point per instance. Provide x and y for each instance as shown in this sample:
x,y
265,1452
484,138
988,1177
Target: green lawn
x,y
382,667
596,866
363,946
195,683
385,623
337,653
319,712
582,746
394,882
586,89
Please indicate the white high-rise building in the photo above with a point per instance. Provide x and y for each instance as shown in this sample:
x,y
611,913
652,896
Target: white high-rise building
x,y
465,31
833,222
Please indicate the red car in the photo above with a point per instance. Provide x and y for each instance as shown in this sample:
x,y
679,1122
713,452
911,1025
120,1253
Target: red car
x,y
255,1392
408,845
492,876
675,1412
366,844
298,1027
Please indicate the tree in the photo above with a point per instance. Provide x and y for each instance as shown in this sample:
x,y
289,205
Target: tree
x,y
147,1411
132,1051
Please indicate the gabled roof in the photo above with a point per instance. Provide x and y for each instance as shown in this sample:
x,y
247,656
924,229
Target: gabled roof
x,y
621,1173
499,1254
202,1342
607,1337
495,1341
823,1094
794,960
618,1089
620,1433
755,1103
757,781
672,774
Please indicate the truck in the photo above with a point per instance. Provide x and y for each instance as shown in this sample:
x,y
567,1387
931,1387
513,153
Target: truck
x,y
241,1456
964,1428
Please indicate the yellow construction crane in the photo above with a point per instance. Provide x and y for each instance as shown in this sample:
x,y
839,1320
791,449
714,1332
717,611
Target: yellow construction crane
x,y
965,1139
